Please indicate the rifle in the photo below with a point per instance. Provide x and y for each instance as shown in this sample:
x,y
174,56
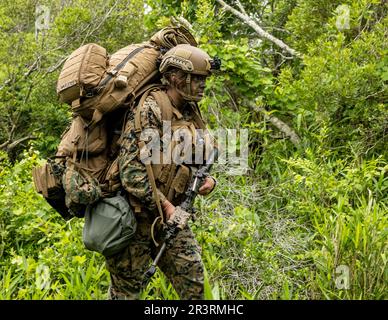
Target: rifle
x,y
186,210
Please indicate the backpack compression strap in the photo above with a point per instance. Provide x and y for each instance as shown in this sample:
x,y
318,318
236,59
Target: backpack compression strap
x,y
95,91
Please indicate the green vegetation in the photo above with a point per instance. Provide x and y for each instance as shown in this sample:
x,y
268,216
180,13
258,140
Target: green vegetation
x,y
304,214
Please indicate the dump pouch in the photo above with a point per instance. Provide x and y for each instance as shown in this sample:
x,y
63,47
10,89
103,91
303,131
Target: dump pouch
x,y
109,225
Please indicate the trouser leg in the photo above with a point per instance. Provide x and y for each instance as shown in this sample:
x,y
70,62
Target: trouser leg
x,y
127,268
182,264
127,272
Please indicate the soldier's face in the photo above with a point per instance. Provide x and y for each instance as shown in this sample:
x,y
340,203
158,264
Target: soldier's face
x,y
198,84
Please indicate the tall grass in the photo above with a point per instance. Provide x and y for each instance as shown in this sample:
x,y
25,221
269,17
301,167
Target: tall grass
x,y
315,228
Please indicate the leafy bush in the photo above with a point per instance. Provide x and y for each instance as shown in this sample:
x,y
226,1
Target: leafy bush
x,y
42,257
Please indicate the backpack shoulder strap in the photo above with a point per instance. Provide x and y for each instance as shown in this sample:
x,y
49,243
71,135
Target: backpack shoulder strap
x,y
155,91
164,104
150,173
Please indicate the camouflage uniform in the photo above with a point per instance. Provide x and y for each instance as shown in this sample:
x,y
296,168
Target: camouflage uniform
x,y
181,263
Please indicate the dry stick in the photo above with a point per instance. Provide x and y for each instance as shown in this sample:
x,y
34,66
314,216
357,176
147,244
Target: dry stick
x,y
58,64
181,20
262,33
9,145
241,7
15,143
4,145
279,124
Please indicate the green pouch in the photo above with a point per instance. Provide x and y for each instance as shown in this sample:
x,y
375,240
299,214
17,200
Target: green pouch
x,y
109,225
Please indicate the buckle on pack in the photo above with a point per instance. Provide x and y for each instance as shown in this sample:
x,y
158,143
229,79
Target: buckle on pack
x,y
93,92
113,72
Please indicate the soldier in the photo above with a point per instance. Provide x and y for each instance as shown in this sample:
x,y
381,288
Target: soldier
x,y
184,69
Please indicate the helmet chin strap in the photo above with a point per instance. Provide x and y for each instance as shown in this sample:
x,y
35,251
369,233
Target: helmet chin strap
x,y
188,96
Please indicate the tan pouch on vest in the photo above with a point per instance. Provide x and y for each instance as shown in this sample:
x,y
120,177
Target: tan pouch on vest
x,y
45,181
179,184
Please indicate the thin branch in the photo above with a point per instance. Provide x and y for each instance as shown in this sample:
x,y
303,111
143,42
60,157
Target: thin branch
x,y
5,144
262,33
96,27
11,133
58,64
181,20
33,67
15,122
241,7
279,124
27,97
19,141
9,146
231,98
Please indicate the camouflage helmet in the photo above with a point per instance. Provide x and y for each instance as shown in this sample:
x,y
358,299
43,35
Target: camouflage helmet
x,y
187,58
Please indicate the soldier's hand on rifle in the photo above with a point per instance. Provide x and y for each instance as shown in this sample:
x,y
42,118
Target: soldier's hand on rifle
x,y
207,186
168,208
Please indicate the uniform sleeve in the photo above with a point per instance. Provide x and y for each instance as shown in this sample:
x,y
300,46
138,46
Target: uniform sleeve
x,y
133,173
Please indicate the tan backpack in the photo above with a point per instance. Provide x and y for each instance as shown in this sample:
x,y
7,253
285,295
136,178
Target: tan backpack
x,y
95,84
100,90
93,87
